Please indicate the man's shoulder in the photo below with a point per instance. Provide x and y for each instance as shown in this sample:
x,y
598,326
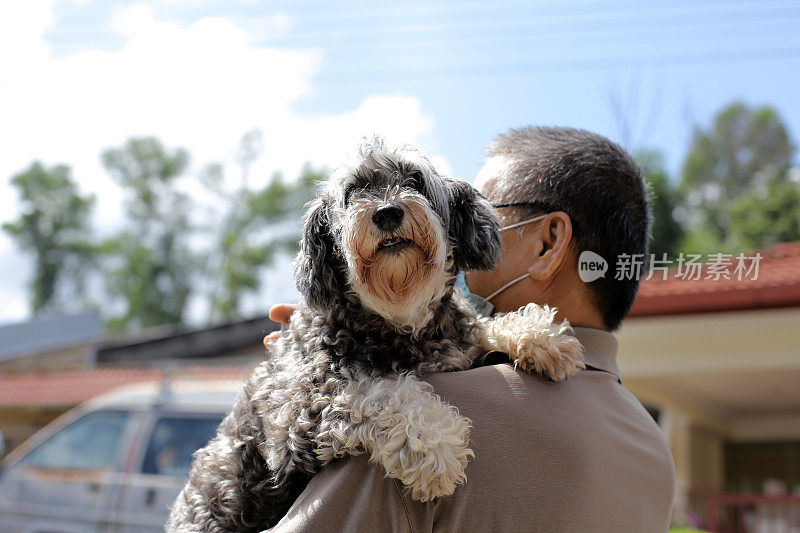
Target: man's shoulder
x,y
585,439
476,379
575,413
503,385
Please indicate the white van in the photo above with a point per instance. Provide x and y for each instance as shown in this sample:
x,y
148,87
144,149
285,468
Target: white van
x,y
113,464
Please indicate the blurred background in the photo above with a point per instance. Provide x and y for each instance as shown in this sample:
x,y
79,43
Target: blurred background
x,y
157,156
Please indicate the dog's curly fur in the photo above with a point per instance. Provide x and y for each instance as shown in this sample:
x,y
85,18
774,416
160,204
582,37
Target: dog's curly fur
x,y
378,309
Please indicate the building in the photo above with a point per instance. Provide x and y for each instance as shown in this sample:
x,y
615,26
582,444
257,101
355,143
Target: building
x,y
719,359
52,343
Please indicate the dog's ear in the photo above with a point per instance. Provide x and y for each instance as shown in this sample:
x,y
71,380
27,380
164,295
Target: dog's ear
x,y
316,268
474,230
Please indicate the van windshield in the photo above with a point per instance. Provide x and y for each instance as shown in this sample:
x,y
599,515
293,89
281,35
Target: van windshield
x,y
89,443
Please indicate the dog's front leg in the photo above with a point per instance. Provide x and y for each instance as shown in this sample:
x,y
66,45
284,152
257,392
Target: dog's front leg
x,y
230,486
215,498
402,425
533,340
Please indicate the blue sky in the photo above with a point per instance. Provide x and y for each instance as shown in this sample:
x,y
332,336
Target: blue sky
x,y
480,67
77,76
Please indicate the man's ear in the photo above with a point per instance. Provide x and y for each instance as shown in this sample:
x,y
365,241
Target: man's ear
x,y
474,230
553,239
317,269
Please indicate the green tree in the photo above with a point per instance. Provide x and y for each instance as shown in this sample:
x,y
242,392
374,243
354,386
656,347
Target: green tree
x,y
764,218
665,201
150,264
249,236
54,226
745,151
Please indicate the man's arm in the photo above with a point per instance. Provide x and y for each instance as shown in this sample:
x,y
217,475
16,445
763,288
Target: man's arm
x,y
351,495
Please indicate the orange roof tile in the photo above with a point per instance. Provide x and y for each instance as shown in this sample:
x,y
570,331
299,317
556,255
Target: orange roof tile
x,y
69,388
777,285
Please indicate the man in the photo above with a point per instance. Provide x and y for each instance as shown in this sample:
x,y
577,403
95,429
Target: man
x,y
582,455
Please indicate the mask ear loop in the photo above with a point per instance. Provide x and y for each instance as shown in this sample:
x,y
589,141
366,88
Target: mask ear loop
x,y
507,285
518,224
525,275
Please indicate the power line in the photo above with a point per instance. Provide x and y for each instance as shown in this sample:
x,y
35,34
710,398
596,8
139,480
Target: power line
x,y
650,30
777,11
471,7
426,73
518,22
718,23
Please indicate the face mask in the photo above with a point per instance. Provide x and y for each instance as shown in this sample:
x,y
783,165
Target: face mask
x,y
483,305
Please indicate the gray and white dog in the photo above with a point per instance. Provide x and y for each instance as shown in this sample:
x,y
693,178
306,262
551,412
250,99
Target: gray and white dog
x,y
381,249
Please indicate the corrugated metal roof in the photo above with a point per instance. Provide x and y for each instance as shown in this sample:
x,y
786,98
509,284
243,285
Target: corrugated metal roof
x,y
49,333
210,341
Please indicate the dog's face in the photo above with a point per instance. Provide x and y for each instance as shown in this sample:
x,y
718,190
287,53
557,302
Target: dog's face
x,y
392,232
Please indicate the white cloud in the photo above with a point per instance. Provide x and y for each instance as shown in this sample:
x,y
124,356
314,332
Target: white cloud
x,y
21,46
275,26
200,86
129,21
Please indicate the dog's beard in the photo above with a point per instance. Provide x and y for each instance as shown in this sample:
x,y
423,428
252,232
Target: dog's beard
x,y
395,274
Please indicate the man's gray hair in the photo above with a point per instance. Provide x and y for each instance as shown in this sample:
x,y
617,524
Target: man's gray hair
x,y
596,183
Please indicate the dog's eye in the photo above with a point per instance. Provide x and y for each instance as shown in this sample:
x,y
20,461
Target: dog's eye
x,y
348,192
416,181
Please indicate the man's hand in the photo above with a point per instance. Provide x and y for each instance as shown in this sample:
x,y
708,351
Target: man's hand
x,y
279,313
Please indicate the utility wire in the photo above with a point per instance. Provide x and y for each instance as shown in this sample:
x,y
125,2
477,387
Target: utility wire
x,y
778,11
528,22
507,39
463,7
718,23
529,68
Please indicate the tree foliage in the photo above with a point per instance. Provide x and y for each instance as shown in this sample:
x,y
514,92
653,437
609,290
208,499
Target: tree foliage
x,y
171,250
250,234
667,231
746,152
53,225
149,263
764,218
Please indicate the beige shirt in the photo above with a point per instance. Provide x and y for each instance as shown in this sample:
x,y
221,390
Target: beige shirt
x,y
582,455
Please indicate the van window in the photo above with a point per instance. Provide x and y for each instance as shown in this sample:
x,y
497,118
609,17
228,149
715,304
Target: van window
x,y
89,443
173,441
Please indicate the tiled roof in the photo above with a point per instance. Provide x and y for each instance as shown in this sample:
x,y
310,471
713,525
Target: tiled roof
x,y
777,285
69,388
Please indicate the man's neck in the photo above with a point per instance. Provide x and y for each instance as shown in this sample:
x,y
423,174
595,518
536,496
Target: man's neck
x,y
580,318
572,305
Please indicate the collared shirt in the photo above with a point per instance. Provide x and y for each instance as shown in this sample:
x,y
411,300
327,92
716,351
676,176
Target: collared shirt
x,y
581,455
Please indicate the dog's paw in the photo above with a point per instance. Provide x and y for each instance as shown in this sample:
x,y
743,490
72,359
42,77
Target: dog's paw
x,y
417,438
536,343
407,429
432,470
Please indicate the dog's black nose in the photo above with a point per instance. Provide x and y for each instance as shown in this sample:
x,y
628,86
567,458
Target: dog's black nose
x,y
388,218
